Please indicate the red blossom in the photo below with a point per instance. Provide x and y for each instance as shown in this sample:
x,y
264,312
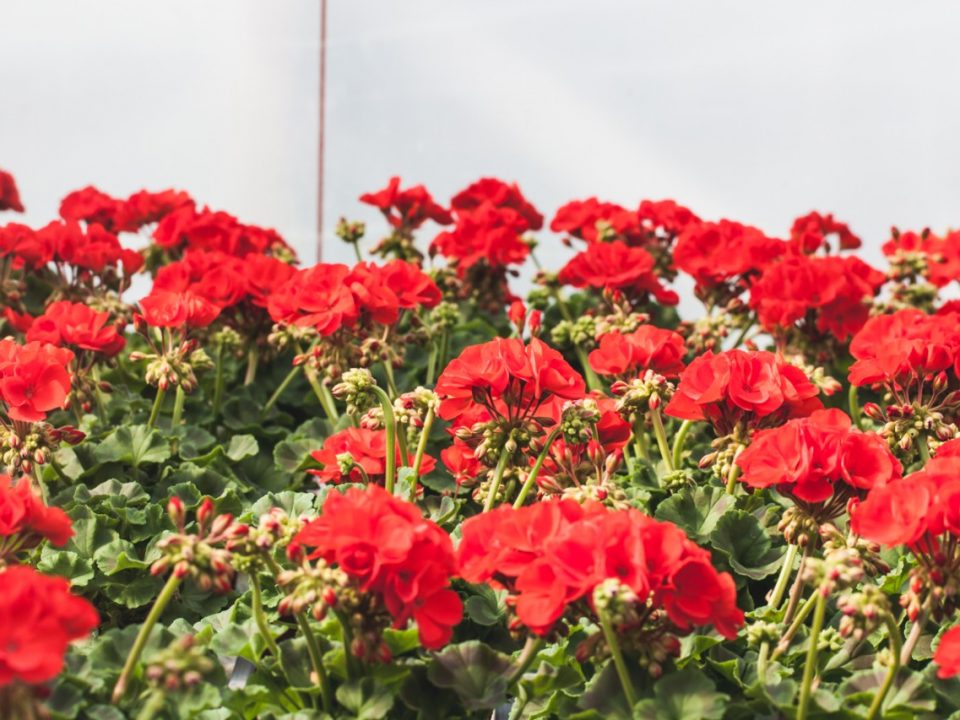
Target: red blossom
x,y
39,618
408,208
25,517
78,326
9,195
812,231
488,234
34,379
500,195
615,266
593,220
368,451
646,348
722,252
947,654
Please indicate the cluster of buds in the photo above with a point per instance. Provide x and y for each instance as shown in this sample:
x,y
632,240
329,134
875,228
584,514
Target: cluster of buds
x,y
643,632
284,336
315,587
85,389
620,321
201,555
351,232
827,384
411,409
839,569
907,295
356,390
863,611
642,394
906,425
934,584
399,244
443,318
227,338
578,421
484,485
707,333
832,539
171,363
24,445
763,631
488,439
249,543
581,333
798,527
179,666
725,450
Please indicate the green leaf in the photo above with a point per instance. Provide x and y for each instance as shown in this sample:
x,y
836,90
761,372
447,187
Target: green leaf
x,y
745,545
475,672
696,510
241,447
908,697
133,445
366,699
293,456
118,555
486,606
684,695
66,564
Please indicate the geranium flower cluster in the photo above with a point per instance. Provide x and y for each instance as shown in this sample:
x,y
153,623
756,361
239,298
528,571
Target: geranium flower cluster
x,y
26,521
391,554
358,454
820,461
551,556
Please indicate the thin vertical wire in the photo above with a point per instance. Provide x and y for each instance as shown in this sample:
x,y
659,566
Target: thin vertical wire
x,y
323,114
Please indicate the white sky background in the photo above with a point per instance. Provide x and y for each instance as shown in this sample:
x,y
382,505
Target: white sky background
x,y
754,110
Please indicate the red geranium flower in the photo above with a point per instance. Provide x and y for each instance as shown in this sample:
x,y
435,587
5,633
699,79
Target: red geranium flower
x,y
408,208
165,308
615,266
488,234
392,550
24,516
737,386
665,216
9,195
39,618
318,297
717,253
499,194
91,206
33,379
77,325
947,654
592,220
368,451
646,348
811,232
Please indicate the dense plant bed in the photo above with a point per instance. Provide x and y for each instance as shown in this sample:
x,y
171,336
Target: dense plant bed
x,y
395,490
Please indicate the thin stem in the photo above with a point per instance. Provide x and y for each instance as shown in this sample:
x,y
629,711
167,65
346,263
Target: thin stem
x,y
159,605
421,449
906,654
795,626
893,630
742,336
37,473
253,357
661,434
356,251
923,448
178,400
260,616
853,405
531,647
593,380
323,396
531,480
153,705
155,412
810,666
732,477
497,479
611,637
390,424
442,354
218,381
786,571
391,382
316,659
797,588
640,441
347,639
432,362
294,371
679,440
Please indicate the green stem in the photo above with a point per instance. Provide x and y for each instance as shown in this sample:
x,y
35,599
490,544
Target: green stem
x,y
661,434
159,605
810,666
893,630
294,371
391,382
316,659
786,571
611,637
797,589
178,400
593,380
323,396
432,362
253,357
347,640
531,480
37,473
732,477
906,654
795,626
497,479
260,616
390,424
679,440
640,441
155,412
531,647
153,705
923,448
442,354
421,449
853,405
742,336
218,381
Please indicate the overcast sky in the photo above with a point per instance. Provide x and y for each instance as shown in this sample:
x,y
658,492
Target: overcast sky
x,y
753,110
